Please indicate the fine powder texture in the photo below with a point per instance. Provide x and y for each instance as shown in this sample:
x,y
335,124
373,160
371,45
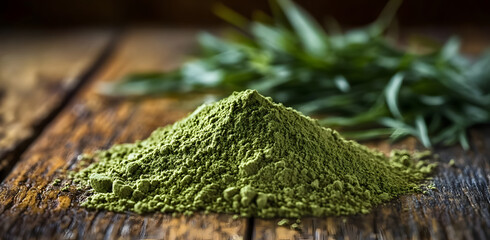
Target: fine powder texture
x,y
249,156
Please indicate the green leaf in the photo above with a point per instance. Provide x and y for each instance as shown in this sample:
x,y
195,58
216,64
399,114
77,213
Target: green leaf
x,y
311,34
422,131
230,15
368,134
479,72
274,38
142,84
360,119
342,83
450,49
463,140
399,133
391,94
385,18
212,44
397,124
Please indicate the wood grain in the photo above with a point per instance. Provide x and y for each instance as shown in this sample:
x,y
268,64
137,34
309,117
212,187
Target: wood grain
x,y
38,70
30,206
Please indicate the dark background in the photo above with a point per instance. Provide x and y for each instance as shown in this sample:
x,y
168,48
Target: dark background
x,y
62,13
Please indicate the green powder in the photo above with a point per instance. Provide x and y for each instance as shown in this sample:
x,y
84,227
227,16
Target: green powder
x,y
249,156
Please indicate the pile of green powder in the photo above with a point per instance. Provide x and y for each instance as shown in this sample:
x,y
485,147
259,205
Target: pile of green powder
x,y
247,155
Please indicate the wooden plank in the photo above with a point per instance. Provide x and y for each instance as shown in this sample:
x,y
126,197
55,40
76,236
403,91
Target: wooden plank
x,y
38,71
30,206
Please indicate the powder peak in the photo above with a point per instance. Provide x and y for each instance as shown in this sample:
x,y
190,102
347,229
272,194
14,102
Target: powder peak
x,y
250,97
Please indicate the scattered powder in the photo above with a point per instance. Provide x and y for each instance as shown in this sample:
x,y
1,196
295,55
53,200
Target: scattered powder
x,y
249,156
56,182
452,163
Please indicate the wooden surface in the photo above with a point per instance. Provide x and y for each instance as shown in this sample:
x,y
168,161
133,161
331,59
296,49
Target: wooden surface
x,y
38,71
81,122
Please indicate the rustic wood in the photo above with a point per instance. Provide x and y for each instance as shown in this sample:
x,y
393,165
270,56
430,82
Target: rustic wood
x,y
30,206
38,70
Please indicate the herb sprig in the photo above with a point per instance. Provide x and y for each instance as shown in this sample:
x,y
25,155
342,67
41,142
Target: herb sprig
x,y
365,83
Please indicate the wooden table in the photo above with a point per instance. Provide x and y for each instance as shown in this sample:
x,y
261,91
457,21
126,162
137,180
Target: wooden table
x,y
50,113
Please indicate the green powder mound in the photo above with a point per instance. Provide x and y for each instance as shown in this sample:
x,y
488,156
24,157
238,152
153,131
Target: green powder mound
x,y
247,155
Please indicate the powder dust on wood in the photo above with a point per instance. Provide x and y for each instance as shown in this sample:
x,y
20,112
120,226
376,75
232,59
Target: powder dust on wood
x,y
249,156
